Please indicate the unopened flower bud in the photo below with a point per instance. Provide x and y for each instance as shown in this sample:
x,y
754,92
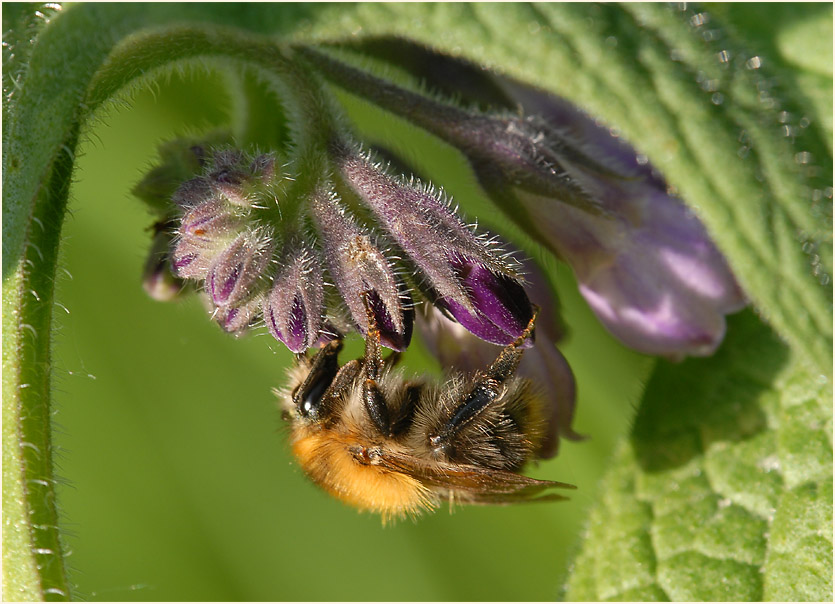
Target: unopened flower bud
x,y
502,308
238,180
211,223
232,186
192,193
543,363
205,231
192,261
293,311
238,267
237,319
360,269
470,280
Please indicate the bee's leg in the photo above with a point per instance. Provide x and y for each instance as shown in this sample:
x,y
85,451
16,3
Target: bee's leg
x,y
323,368
486,389
372,398
507,362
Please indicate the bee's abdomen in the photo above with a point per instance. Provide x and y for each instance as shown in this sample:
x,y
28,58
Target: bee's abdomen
x,y
492,428
342,464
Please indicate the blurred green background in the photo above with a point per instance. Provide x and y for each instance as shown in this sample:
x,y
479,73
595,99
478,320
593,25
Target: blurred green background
x,y
178,482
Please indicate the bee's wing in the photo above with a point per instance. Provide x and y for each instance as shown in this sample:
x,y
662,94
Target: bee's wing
x,y
479,485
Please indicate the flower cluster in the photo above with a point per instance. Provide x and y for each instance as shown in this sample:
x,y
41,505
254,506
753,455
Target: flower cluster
x,y
234,234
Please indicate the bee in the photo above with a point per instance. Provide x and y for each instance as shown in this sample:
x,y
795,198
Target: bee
x,y
396,445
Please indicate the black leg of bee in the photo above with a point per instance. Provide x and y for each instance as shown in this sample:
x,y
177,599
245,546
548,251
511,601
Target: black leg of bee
x,y
372,398
344,381
486,389
323,369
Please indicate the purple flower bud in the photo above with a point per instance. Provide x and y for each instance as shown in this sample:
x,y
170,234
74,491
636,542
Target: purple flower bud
x,y
359,268
231,184
192,261
293,311
204,232
502,309
469,279
237,319
544,364
211,223
238,268
230,179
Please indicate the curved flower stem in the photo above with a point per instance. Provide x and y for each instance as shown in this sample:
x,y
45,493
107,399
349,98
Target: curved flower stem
x,y
33,565
439,118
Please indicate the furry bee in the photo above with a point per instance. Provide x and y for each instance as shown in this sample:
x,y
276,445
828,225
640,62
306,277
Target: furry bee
x,y
396,445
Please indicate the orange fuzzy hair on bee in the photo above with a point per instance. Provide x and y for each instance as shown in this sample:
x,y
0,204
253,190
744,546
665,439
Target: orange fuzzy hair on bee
x,y
332,462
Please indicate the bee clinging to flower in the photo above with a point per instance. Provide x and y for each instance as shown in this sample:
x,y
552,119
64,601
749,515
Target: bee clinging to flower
x,y
397,445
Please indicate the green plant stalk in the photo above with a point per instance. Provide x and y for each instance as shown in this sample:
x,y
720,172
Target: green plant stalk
x,y
30,515
33,556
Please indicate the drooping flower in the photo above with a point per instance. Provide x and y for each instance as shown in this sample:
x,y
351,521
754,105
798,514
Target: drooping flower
x,y
654,277
644,262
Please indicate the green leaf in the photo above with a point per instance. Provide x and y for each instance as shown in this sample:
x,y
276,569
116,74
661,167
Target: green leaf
x,y
724,490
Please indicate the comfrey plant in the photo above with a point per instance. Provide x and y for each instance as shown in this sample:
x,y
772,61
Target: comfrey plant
x,y
296,221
